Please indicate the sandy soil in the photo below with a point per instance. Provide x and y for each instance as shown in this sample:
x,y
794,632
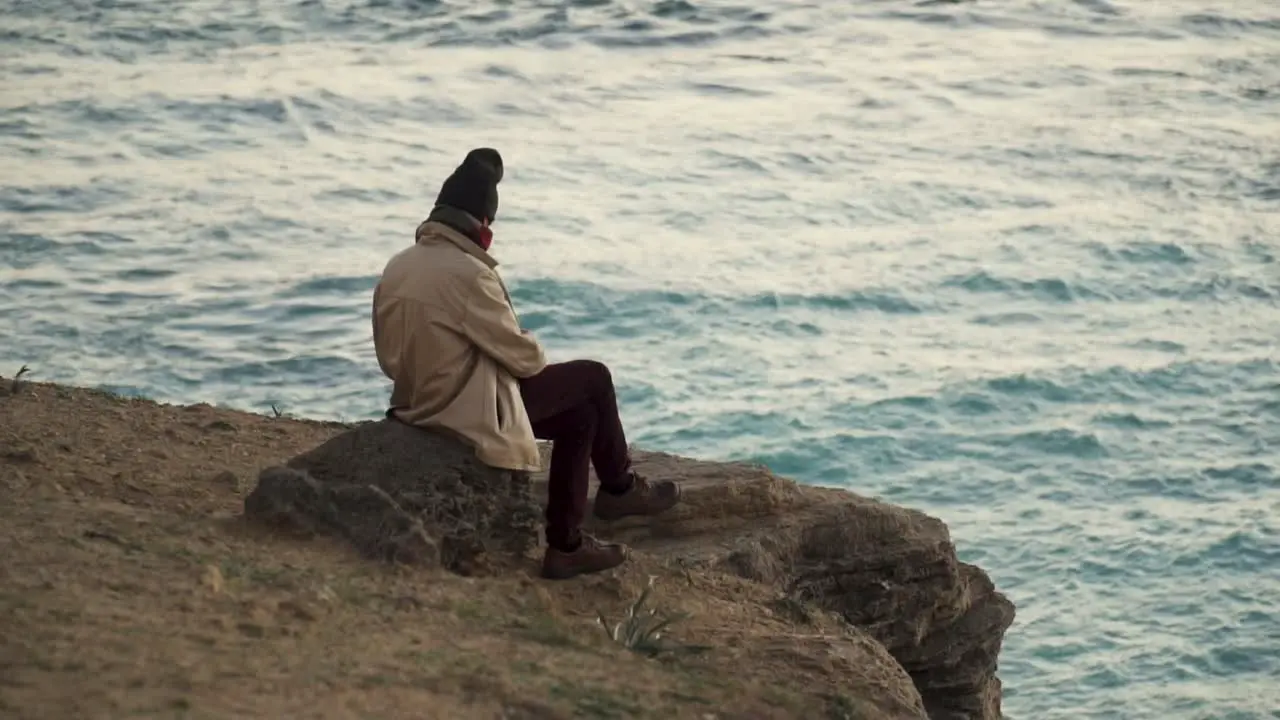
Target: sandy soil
x,y
130,587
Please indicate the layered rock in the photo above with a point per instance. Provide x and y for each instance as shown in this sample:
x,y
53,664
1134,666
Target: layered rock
x,y
891,572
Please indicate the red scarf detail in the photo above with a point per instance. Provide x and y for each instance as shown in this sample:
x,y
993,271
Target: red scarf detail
x,y
484,235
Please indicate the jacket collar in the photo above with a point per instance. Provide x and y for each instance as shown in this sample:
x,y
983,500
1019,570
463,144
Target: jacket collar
x,y
432,229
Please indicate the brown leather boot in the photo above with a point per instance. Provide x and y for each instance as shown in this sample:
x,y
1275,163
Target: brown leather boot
x,y
644,498
592,556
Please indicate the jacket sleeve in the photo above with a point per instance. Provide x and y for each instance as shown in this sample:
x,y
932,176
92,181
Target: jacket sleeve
x,y
490,323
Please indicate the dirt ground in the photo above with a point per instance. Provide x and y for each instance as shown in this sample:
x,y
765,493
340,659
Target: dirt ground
x,y
130,587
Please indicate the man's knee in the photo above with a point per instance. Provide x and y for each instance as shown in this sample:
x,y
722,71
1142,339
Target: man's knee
x,y
595,375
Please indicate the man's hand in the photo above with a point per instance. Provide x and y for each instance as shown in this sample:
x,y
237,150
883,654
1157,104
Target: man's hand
x,y
491,324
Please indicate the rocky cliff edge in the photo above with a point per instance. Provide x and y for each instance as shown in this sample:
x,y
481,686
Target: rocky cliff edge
x,y
235,549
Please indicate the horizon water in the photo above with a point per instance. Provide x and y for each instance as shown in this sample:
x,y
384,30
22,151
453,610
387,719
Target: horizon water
x,y
1010,263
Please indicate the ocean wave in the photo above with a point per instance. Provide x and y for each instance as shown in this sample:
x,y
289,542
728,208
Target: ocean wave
x,y
61,198
1217,25
581,304
1052,289
1058,441
1130,421
126,32
1215,286
1009,318
1145,252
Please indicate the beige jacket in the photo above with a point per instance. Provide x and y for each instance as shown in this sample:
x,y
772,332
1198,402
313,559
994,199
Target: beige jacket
x,y
447,336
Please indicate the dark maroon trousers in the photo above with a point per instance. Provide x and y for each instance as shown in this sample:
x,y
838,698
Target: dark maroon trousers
x,y
574,405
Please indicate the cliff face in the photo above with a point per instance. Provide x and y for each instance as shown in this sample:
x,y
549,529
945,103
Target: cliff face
x,y
885,569
888,571
131,574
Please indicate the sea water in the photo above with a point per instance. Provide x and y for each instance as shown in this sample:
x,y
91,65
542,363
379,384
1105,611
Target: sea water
x,y
1010,262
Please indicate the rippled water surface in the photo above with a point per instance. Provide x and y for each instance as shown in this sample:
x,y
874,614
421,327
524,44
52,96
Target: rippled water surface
x,y
1013,263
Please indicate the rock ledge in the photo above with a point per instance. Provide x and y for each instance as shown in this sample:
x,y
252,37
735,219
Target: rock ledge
x,y
402,494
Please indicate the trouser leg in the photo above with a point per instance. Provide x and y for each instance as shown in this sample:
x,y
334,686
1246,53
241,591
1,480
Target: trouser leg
x,y
574,405
561,387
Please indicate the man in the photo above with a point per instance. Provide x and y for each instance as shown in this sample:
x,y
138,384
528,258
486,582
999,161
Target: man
x,y
446,334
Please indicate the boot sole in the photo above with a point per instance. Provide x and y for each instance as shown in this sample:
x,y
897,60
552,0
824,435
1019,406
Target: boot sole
x,y
571,574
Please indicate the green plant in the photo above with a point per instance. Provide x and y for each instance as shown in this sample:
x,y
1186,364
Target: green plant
x,y
843,707
640,630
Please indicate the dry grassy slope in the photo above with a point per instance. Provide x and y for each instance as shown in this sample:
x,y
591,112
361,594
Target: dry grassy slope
x,y
130,588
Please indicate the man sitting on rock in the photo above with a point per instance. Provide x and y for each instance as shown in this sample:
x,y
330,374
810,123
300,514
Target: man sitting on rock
x,y
446,334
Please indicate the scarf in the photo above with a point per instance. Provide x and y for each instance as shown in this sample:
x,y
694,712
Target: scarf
x,y
477,231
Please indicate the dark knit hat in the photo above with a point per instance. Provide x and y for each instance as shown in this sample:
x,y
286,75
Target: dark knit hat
x,y
473,186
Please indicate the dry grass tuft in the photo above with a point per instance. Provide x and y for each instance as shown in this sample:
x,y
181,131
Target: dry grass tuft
x,y
16,383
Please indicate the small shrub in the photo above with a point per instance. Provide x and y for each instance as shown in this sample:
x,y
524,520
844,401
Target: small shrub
x,y
641,630
843,707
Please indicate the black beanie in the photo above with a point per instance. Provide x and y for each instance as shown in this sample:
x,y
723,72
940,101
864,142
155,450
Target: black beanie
x,y
473,186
